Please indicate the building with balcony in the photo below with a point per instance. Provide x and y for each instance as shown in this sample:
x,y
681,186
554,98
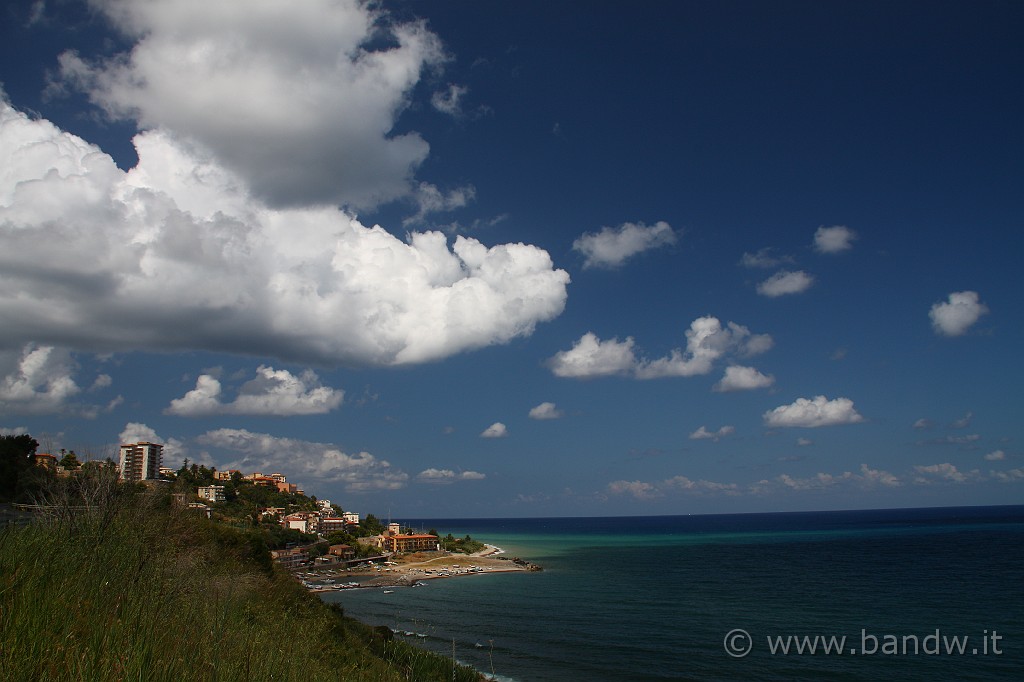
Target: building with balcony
x,y
211,493
140,461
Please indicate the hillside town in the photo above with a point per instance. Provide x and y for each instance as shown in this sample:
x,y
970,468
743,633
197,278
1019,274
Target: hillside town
x,y
308,536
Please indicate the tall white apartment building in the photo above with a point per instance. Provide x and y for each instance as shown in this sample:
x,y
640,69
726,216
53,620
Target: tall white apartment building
x,y
140,461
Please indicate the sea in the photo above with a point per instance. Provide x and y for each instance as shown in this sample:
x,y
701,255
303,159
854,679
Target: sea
x,y
903,594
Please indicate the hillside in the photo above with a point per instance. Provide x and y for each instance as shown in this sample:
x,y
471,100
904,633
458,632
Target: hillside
x,y
128,586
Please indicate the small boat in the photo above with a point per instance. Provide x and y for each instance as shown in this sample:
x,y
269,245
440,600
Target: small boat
x,y
388,591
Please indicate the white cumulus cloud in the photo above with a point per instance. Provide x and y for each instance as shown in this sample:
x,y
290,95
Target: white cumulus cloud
x,y
815,412
638,489
611,247
702,433
303,461
495,430
444,476
174,449
271,393
740,378
955,316
995,456
291,96
178,254
833,239
546,411
591,357
449,101
785,282
707,341
1009,476
36,380
944,472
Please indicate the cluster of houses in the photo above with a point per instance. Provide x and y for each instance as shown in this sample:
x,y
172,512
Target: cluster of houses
x,y
391,541
142,462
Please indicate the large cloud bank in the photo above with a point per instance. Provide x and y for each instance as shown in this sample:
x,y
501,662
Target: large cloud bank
x,y
177,253
299,99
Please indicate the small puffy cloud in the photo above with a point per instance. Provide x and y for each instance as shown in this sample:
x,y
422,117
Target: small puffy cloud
x,y
14,431
611,247
102,381
703,434
444,476
644,490
995,456
785,282
37,380
879,476
812,413
739,378
868,478
923,424
685,484
954,317
449,101
299,459
591,357
295,98
944,472
638,489
1010,476
707,341
833,239
546,411
429,199
495,430
804,442
178,254
819,481
272,393
764,258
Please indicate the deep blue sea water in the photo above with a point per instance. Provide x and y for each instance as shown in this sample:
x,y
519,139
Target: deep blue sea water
x,y
653,598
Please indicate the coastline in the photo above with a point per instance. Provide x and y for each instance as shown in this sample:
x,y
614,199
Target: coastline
x,y
413,569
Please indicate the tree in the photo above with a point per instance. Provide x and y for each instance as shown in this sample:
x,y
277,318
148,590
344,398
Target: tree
x,y
69,460
372,524
16,454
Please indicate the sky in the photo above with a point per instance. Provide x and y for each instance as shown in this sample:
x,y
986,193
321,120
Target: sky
x,y
463,259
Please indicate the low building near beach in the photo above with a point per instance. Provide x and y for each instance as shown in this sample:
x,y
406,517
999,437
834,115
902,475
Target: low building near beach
x,y
345,552
290,558
412,542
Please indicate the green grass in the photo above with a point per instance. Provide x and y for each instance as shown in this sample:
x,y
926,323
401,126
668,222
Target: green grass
x,y
153,593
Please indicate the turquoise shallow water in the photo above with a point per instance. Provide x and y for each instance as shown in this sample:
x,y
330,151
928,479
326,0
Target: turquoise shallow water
x,y
654,597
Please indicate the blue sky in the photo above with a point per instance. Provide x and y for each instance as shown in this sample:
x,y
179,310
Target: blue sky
x,y
523,259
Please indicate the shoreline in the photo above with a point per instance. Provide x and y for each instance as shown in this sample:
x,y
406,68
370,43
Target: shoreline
x,y
412,570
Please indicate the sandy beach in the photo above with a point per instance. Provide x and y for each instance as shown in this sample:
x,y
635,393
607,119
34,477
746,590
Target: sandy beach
x,y
409,569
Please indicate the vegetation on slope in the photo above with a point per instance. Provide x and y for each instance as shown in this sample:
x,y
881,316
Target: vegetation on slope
x,y
116,583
